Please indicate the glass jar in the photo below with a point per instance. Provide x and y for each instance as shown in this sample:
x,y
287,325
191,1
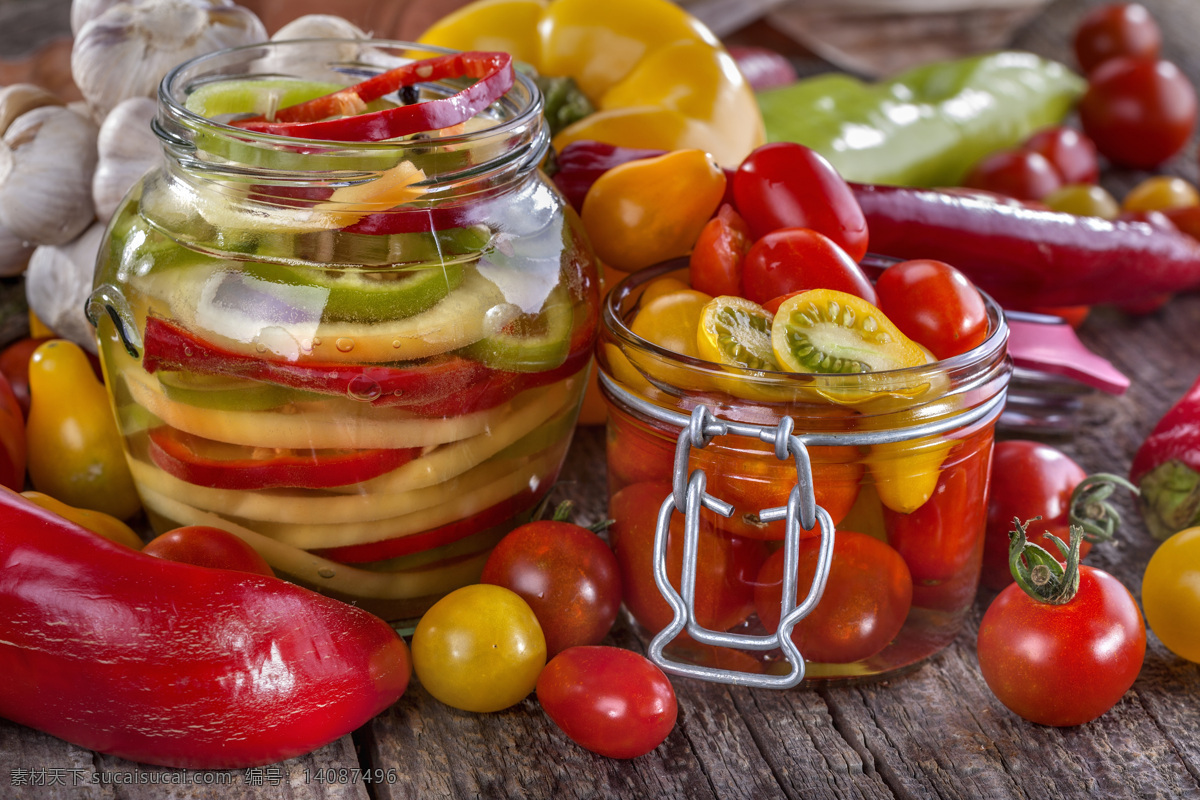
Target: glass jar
x,y
371,388
897,464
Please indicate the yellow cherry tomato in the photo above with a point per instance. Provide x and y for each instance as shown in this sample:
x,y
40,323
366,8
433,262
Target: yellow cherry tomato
x,y
480,648
97,522
670,321
736,332
652,209
1160,193
1084,200
1171,593
75,449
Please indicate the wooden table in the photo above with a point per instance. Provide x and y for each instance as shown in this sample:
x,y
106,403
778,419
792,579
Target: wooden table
x,y
937,732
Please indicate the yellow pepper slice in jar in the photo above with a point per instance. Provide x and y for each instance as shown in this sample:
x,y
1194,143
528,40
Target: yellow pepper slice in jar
x,y
658,76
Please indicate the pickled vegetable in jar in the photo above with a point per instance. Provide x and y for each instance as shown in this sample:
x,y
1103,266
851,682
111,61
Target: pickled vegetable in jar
x,y
348,318
896,459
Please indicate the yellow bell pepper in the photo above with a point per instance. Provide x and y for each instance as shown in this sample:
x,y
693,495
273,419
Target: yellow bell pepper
x,y
658,77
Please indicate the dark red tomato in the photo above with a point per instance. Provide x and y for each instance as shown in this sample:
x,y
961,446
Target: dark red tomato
x,y
1021,174
1072,154
938,540
1029,479
715,266
725,569
14,365
206,546
1139,112
1064,664
12,439
787,185
934,304
1114,30
791,260
567,575
1186,219
608,700
864,605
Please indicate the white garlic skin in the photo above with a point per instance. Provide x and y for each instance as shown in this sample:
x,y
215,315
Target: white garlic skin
x,y
58,283
127,49
47,158
312,26
84,10
127,148
14,253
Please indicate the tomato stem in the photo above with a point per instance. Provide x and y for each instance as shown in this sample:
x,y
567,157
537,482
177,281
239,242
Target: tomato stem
x,y
1090,509
1037,572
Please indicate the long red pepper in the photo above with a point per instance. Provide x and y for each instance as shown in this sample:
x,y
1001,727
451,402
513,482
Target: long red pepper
x,y
1025,257
1166,468
174,664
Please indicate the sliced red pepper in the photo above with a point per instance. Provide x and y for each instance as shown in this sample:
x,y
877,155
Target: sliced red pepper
x,y
436,537
311,120
218,465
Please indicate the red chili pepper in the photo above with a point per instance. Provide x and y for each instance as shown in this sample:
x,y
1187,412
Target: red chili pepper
x,y
174,664
1026,257
1166,468
310,120
218,465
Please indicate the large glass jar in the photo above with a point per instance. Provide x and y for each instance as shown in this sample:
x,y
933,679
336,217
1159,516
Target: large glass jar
x,y
898,463
370,386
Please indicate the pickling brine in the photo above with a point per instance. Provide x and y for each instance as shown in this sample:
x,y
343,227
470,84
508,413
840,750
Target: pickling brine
x,y
362,355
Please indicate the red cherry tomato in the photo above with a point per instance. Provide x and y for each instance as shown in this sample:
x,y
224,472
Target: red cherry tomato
x,y
864,605
1062,664
725,569
611,701
1021,174
715,266
566,573
14,365
12,439
787,185
791,260
933,304
1072,154
637,453
206,546
1139,112
1113,30
1029,479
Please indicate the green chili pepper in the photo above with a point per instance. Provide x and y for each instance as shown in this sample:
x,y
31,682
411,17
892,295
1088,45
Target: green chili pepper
x,y
927,126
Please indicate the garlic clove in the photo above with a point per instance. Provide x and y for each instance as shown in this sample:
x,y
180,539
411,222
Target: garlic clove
x,y
313,26
18,98
47,157
126,50
127,148
14,253
58,283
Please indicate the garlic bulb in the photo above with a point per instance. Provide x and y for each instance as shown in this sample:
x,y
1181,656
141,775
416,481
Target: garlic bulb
x,y
14,253
126,50
58,283
18,98
127,147
312,26
47,157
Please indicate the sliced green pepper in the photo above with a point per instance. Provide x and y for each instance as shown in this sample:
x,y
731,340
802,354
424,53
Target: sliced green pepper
x,y
223,392
927,126
531,342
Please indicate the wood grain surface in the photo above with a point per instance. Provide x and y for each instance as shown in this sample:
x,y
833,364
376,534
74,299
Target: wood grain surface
x,y
934,733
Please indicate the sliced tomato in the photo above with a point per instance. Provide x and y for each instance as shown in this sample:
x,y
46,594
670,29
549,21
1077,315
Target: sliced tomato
x,y
220,465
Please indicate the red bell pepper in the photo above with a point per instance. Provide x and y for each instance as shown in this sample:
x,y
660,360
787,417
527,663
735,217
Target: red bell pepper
x,y
219,465
323,117
1028,257
1166,468
175,664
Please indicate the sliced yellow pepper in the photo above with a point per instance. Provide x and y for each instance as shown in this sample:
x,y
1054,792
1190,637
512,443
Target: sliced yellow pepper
x,y
658,77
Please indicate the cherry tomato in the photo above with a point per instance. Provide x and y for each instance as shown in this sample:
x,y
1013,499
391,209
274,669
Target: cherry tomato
x,y
12,439
933,304
670,321
479,648
1066,664
1171,593
206,546
1185,219
14,365
567,575
1029,479
611,701
715,266
637,453
787,185
797,259
1021,174
97,522
736,332
1083,200
1161,193
1116,29
864,605
1072,154
725,569
1139,112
